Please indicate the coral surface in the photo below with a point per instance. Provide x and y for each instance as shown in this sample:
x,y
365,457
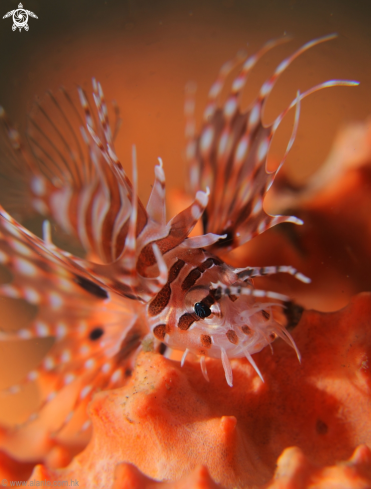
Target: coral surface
x,y
167,420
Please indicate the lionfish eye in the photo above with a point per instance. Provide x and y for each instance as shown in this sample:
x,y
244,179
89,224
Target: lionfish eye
x,y
202,310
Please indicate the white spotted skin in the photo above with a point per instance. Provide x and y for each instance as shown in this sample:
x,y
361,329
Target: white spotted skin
x,y
226,315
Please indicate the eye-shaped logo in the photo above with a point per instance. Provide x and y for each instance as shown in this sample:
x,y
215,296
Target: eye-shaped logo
x,y
20,18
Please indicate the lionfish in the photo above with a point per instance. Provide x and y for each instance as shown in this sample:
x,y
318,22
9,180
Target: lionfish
x,y
142,276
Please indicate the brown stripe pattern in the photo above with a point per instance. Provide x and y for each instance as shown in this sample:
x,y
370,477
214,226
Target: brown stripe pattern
x,y
186,321
160,331
163,297
196,273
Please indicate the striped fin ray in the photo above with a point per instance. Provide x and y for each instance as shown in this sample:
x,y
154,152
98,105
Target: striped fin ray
x,y
123,204
230,154
70,173
174,234
156,206
122,275
90,369
110,376
251,272
141,271
223,134
96,330
205,171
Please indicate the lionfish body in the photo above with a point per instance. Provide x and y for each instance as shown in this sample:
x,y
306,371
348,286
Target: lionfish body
x,y
144,275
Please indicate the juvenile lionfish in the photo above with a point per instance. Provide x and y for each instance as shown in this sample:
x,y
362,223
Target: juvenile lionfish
x,y
143,276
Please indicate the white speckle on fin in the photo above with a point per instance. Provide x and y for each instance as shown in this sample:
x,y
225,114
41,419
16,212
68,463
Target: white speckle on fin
x,y
41,329
24,334
55,300
86,425
25,267
32,375
230,107
116,376
85,391
106,367
38,186
61,330
206,140
48,363
68,378
90,363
